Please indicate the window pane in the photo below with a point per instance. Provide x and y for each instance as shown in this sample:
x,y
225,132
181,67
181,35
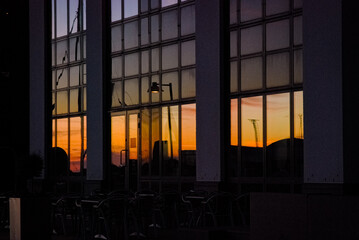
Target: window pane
x,y
116,67
276,6
62,134
170,57
84,76
189,83
155,4
170,146
116,10
75,100
155,60
75,144
252,136
131,92
53,104
131,64
145,141
234,77
251,40
144,31
298,133
61,17
154,28
53,55
278,70
169,25
73,18
188,51
85,141
250,9
116,38
188,140
188,20
62,78
116,94
131,8
168,78
234,122
232,11
278,135
53,19
61,52
53,132
251,74
84,14
85,99
75,49
233,44
75,76
133,134
155,161
131,35
144,5
84,47
53,80
298,66
118,139
145,96
61,102
298,35
277,35
298,115
145,62
155,96
166,3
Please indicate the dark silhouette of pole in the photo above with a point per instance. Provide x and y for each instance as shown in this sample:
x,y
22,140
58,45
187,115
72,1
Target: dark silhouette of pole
x,y
169,118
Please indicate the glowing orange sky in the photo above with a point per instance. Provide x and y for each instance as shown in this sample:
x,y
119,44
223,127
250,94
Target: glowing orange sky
x,y
278,120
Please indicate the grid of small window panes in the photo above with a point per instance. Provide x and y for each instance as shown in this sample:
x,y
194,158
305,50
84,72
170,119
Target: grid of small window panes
x,y
153,46
266,94
152,42
69,80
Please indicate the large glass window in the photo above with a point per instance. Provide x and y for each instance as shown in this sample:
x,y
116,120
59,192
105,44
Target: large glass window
x,y
266,80
153,73
69,81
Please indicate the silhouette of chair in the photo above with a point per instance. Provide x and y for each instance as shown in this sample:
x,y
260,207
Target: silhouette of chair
x,y
218,208
191,207
64,213
112,217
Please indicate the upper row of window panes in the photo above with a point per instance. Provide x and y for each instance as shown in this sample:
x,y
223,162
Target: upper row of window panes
x,y
134,7
69,16
130,35
253,9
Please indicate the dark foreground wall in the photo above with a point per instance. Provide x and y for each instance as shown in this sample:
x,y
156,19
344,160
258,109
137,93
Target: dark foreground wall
x,y
278,216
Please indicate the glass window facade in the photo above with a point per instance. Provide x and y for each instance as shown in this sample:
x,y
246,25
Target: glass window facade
x,y
266,80
153,77
69,82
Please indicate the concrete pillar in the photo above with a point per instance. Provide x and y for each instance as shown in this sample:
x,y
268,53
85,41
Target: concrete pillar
x,y
95,88
211,91
323,92
38,38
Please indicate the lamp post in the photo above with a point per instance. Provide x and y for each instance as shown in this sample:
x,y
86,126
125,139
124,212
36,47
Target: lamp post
x,y
155,88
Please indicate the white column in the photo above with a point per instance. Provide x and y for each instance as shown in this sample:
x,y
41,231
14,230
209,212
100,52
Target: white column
x,y
323,91
37,38
95,89
210,91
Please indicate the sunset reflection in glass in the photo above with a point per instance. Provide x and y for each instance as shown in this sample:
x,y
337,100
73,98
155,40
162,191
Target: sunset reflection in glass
x,y
118,141
75,144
